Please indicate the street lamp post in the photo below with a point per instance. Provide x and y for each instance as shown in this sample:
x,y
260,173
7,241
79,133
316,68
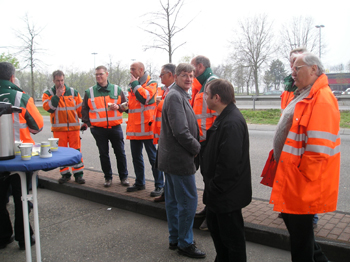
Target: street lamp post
x,y
94,59
320,27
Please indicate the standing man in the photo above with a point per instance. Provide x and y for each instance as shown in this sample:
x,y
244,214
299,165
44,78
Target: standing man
x,y
205,116
103,113
142,95
178,147
64,105
167,77
225,166
26,122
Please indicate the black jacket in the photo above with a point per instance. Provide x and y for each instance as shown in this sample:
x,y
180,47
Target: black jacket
x,y
225,163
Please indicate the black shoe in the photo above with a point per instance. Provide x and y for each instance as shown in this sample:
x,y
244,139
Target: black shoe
x,y
9,241
157,192
191,251
200,214
63,179
172,246
108,183
135,188
22,245
80,180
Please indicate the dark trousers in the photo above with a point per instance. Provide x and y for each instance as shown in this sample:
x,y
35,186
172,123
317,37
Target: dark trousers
x,y
115,136
302,238
139,167
5,222
227,232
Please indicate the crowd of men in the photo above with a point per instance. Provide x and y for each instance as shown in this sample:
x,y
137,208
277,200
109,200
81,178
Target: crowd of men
x,y
205,131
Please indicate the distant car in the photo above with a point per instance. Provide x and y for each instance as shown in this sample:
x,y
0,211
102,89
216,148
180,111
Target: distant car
x,y
273,93
337,92
346,92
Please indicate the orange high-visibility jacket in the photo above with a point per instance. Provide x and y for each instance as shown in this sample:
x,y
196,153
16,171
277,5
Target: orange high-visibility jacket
x,y
307,175
97,101
205,116
65,111
141,109
157,119
29,120
286,97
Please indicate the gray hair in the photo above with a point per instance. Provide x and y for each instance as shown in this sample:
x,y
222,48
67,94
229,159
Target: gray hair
x,y
311,59
298,50
202,60
184,67
7,70
169,68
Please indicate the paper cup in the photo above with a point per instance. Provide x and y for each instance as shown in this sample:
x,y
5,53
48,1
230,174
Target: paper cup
x,y
45,150
53,143
124,106
109,106
26,151
17,149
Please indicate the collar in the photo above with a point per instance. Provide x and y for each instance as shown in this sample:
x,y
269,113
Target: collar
x,y
104,88
206,74
143,78
8,84
185,94
228,109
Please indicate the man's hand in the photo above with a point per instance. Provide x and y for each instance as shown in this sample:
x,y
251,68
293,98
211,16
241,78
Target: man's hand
x,y
112,106
59,91
132,78
83,127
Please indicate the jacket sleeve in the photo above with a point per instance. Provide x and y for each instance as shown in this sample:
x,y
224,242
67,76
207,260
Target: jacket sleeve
x,y
144,94
50,102
229,158
33,117
85,110
322,145
178,123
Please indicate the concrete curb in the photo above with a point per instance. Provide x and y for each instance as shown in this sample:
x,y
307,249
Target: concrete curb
x,y
273,237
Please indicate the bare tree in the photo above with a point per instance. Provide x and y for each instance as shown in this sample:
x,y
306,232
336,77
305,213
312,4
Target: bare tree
x,y
29,48
253,45
163,25
299,32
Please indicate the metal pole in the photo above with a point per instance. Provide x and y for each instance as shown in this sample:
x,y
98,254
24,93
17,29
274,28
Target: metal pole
x,y
319,27
94,59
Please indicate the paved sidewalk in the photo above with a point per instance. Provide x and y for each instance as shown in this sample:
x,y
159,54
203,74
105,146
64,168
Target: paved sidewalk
x,y
261,222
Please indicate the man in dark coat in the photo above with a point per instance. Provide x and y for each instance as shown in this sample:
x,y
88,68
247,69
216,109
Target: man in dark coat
x,y
226,171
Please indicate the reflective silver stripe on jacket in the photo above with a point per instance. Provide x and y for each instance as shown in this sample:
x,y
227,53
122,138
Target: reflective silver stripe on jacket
x,y
140,134
147,93
57,122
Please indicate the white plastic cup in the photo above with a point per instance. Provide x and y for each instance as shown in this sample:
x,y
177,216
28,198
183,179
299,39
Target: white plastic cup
x,y
26,151
17,149
53,143
109,106
45,150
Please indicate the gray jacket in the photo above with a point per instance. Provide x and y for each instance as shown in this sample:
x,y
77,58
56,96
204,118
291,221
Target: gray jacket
x,y
179,135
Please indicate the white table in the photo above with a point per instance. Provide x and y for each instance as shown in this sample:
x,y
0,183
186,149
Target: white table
x,y
62,157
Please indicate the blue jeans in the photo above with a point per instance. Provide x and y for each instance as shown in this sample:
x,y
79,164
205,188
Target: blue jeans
x,y
139,167
115,135
180,203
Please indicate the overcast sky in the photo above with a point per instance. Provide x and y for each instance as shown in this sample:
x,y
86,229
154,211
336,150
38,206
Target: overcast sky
x,y
73,29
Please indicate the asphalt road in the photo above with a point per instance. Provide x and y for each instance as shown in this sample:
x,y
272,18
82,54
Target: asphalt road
x,y
74,229
260,145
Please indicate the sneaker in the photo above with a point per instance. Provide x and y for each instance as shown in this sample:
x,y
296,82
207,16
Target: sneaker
x,y
204,225
63,179
135,188
157,192
80,180
124,182
9,241
191,251
108,183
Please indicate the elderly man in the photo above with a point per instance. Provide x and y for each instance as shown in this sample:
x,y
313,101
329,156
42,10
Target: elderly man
x,y
142,95
307,153
103,113
64,105
29,121
178,147
167,77
205,116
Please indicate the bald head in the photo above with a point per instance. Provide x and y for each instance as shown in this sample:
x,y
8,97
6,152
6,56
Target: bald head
x,y
137,69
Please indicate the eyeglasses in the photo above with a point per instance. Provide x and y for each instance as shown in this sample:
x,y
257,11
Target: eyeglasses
x,y
163,74
297,68
100,74
187,76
